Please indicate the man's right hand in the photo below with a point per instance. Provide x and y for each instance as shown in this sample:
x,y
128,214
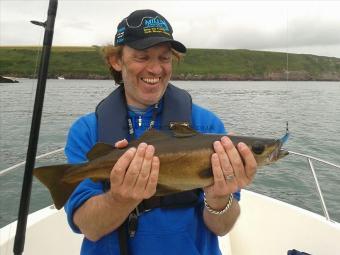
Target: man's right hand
x,y
134,177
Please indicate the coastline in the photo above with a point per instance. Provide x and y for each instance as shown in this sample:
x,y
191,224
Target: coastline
x,y
196,77
191,77
197,65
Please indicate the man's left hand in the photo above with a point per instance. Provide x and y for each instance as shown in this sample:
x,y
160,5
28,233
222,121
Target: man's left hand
x,y
233,168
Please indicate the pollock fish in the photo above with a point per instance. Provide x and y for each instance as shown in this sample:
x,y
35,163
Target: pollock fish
x,y
185,161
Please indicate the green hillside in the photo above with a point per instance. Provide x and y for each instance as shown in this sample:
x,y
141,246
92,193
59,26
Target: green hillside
x,y
198,64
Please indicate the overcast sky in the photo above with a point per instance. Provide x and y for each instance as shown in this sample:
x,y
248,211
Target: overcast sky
x,y
288,26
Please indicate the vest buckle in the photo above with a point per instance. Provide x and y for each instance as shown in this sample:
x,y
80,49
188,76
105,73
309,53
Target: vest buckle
x,y
133,222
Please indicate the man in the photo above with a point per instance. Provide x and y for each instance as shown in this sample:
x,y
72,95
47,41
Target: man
x,y
185,223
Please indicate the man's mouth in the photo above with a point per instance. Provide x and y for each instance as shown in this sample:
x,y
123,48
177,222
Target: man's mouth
x,y
151,80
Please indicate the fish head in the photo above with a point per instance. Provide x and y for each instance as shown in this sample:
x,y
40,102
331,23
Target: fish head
x,y
267,151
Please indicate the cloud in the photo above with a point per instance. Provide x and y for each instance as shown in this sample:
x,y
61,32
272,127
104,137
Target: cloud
x,y
20,32
311,32
297,26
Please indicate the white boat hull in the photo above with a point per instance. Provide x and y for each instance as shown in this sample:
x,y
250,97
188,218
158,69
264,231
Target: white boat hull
x,y
266,226
269,226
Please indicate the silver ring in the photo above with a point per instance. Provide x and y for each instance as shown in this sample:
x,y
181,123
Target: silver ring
x,y
229,177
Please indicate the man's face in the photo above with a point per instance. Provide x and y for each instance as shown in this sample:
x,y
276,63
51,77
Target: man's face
x,y
145,74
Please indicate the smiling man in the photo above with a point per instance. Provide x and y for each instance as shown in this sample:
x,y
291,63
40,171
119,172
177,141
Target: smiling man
x,y
121,215
146,73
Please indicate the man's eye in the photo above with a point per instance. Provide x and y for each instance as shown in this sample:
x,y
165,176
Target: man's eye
x,y
141,58
166,58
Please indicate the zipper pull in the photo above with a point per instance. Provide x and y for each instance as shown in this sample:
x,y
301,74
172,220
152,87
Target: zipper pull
x,y
130,126
139,121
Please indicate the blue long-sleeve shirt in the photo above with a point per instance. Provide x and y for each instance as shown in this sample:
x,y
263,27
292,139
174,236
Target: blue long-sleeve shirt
x,y
160,231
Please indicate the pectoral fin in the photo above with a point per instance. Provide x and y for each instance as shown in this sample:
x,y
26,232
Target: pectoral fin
x,y
206,173
163,190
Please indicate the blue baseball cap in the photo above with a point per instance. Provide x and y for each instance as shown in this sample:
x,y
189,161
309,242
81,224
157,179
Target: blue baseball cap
x,y
143,29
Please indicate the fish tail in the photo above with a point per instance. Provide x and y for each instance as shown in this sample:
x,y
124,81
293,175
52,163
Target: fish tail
x,y
51,177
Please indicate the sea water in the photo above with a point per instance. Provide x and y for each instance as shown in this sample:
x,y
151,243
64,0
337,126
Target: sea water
x,y
312,110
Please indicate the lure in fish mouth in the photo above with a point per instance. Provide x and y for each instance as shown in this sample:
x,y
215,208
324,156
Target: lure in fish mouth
x,y
277,153
266,151
184,154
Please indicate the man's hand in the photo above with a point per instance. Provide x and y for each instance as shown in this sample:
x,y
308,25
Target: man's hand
x,y
134,177
233,169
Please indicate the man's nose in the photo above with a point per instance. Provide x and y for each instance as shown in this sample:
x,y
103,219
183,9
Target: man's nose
x,y
154,66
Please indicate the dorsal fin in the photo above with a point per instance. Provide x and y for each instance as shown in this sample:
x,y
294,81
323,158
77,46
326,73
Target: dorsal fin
x,y
182,129
100,149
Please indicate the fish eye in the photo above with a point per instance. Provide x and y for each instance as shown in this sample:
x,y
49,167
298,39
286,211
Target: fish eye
x,y
258,148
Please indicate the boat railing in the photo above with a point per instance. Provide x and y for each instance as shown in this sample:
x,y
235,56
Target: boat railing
x,y
311,166
308,157
2,172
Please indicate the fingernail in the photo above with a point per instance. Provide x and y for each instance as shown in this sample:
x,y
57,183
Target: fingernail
x,y
132,149
117,143
225,139
227,142
142,145
241,145
150,148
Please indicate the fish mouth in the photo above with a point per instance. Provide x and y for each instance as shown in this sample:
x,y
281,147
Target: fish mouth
x,y
278,152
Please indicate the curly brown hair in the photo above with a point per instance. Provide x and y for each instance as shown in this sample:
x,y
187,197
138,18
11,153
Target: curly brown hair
x,y
117,51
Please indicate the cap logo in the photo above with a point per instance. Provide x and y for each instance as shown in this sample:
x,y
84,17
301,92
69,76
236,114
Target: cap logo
x,y
156,25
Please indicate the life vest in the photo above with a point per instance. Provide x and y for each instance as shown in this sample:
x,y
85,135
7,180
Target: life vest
x,y
112,113
112,124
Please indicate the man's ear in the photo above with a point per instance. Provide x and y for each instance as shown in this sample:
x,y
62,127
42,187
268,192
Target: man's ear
x,y
116,63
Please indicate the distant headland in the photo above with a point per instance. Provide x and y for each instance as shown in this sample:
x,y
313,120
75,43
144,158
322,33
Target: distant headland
x,y
198,64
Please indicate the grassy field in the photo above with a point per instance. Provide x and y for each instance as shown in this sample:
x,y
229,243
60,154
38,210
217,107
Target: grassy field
x,y
198,64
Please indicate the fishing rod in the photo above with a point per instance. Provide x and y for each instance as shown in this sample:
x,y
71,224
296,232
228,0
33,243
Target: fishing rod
x,y
20,235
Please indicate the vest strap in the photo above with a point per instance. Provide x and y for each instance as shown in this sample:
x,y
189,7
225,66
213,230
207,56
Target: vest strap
x,y
180,200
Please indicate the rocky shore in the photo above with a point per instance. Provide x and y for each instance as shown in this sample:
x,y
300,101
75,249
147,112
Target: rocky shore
x,y
7,80
274,76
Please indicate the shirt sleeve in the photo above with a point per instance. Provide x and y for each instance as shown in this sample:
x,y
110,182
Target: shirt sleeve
x,y
81,138
85,190
205,121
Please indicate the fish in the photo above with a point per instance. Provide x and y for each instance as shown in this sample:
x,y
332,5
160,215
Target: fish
x,y
184,154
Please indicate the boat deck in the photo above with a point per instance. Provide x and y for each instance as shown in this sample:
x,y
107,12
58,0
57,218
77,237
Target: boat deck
x,y
266,226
